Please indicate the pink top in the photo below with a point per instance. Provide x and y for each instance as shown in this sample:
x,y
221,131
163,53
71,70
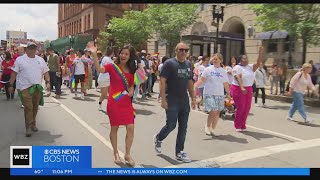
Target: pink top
x,y
300,83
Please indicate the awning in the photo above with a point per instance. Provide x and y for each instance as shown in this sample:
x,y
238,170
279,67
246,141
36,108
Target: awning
x,y
272,35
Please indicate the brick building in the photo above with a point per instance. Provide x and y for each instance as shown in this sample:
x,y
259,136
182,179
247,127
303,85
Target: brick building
x,y
89,18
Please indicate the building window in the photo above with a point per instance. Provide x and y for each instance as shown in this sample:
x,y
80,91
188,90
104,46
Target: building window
x,y
89,27
85,23
202,7
114,5
80,25
287,45
272,45
156,46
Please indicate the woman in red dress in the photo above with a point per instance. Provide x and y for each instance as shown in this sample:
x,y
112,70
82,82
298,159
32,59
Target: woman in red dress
x,y
119,107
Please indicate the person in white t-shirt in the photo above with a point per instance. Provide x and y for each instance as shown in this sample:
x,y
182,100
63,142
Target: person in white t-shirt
x,y
229,69
216,81
261,78
198,72
241,88
79,73
104,78
31,69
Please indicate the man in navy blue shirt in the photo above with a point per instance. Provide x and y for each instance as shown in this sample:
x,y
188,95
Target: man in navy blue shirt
x,y
175,81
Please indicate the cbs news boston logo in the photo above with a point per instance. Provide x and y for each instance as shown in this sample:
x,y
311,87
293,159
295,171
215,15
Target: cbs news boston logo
x,y
20,156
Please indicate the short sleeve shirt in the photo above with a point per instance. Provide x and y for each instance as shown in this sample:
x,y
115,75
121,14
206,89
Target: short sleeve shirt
x,y
79,66
104,61
215,78
246,73
177,74
29,71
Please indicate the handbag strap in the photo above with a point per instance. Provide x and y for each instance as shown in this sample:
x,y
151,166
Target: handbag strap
x,y
123,77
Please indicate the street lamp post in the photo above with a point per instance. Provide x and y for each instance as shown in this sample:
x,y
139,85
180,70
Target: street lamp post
x,y
251,31
217,15
71,38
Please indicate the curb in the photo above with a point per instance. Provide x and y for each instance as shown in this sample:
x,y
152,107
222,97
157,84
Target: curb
x,y
307,101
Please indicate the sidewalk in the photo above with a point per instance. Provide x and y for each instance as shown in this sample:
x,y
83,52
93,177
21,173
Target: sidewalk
x,y
313,102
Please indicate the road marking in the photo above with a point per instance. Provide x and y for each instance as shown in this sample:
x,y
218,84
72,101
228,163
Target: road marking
x,y
90,129
268,131
252,154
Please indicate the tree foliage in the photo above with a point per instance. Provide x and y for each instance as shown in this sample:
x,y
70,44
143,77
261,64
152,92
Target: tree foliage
x,y
136,27
130,29
299,20
170,20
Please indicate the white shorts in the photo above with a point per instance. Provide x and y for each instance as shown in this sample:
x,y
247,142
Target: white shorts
x,y
105,82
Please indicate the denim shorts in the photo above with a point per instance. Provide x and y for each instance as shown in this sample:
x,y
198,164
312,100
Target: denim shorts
x,y
213,103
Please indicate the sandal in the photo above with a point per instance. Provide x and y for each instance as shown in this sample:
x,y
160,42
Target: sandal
x,y
117,159
129,161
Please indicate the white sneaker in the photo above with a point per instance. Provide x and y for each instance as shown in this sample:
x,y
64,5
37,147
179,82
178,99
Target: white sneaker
x,y
257,105
22,106
100,107
290,118
264,106
308,120
206,130
82,96
239,130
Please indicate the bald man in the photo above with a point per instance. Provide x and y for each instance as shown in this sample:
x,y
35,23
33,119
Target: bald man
x,y
175,83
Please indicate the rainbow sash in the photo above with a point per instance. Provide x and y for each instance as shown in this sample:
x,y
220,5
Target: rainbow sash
x,y
118,95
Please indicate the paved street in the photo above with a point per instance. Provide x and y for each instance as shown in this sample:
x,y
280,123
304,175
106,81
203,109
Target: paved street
x,y
271,140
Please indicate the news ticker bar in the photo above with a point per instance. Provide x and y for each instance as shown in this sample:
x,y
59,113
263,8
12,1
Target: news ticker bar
x,y
163,171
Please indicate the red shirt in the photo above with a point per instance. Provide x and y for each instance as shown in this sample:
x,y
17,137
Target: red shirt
x,y
6,65
15,56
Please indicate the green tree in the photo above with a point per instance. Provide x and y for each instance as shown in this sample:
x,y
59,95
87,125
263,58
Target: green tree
x,y
170,20
301,21
130,29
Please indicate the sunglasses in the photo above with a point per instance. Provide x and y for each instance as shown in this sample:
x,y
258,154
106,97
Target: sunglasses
x,y
184,50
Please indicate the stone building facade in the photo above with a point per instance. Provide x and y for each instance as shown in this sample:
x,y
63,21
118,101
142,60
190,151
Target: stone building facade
x,y
234,38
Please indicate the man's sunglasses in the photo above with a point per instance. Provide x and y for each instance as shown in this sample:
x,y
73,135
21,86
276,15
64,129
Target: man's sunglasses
x,y
184,50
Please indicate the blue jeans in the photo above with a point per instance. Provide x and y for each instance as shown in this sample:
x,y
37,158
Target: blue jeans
x,y
55,81
177,111
136,92
297,103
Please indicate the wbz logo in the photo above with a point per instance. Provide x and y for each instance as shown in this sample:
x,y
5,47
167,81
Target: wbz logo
x,y
20,156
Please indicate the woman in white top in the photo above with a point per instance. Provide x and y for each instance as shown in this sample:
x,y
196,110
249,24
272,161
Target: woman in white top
x,y
298,85
241,88
104,78
216,81
198,72
229,68
261,81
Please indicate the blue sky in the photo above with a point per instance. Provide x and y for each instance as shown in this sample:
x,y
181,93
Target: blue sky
x,y
40,21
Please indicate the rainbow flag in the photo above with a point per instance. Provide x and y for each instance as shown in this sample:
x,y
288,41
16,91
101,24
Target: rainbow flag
x,y
139,77
117,96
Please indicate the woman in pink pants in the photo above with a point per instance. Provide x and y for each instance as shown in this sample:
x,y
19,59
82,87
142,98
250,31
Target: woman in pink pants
x,y
241,88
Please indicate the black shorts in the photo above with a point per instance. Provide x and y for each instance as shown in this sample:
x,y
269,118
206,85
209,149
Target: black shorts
x,y
78,78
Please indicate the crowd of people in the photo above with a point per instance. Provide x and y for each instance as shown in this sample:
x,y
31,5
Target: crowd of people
x,y
183,81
